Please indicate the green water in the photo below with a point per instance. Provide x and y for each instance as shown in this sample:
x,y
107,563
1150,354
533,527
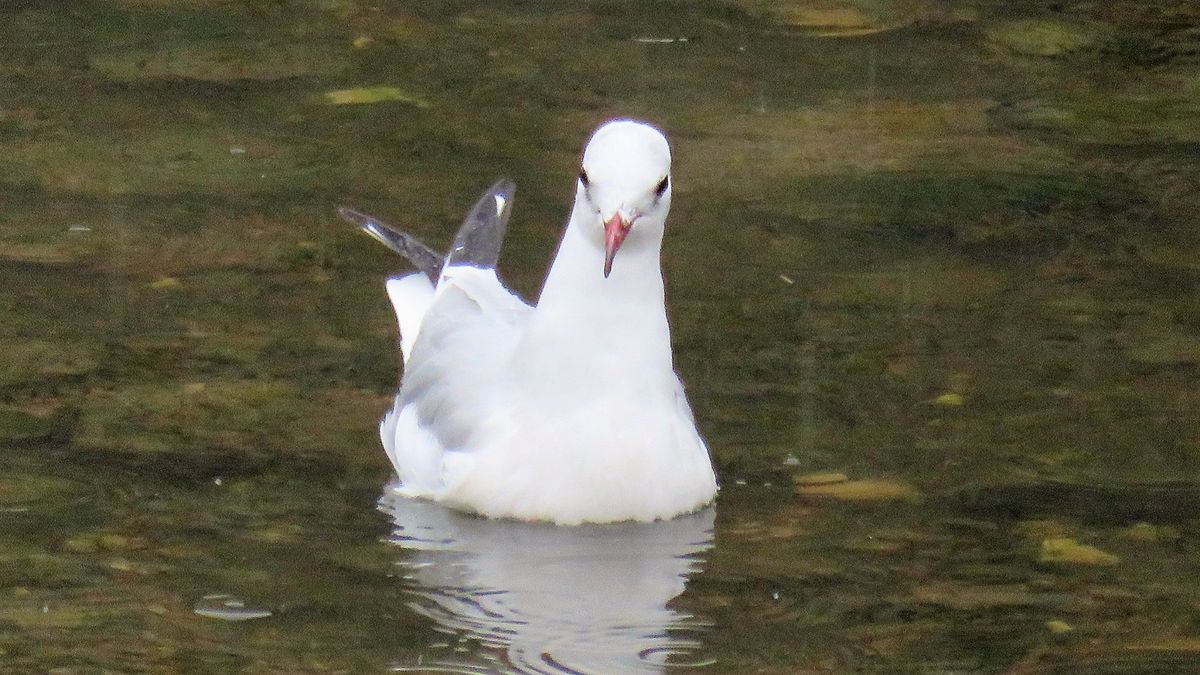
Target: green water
x,y
947,250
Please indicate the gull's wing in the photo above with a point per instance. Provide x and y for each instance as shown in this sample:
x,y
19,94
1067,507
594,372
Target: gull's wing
x,y
454,376
479,238
477,243
468,331
424,258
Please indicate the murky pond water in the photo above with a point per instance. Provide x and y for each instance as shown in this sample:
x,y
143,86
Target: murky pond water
x,y
932,272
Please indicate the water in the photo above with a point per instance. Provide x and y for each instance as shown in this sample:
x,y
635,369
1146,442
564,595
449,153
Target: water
x,y
943,255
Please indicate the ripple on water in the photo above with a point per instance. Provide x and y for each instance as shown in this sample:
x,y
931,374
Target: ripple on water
x,y
228,608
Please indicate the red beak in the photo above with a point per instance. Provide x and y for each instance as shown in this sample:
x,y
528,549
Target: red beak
x,y
614,235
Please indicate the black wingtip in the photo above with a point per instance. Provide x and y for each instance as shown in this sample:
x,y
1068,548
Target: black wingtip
x,y
479,238
424,258
354,217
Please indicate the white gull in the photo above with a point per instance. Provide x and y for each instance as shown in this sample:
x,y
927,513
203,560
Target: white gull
x,y
568,411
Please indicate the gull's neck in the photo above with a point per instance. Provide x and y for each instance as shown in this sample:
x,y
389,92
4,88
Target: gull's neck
x,y
577,273
623,316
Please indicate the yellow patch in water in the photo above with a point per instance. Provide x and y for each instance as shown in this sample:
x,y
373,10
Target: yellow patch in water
x,y
164,283
1059,627
1145,532
115,542
861,490
949,400
820,478
836,22
1066,550
825,17
366,95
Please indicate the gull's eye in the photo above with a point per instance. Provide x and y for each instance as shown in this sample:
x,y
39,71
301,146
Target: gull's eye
x,y
662,186
583,180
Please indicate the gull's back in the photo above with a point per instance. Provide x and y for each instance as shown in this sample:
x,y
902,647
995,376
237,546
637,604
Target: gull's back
x,y
452,385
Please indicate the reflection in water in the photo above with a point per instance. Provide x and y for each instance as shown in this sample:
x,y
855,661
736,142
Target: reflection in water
x,y
555,599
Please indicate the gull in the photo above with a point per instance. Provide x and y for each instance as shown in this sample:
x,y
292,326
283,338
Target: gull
x,y
568,410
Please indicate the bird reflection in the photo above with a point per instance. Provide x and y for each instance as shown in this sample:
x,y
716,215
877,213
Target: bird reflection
x,y
588,599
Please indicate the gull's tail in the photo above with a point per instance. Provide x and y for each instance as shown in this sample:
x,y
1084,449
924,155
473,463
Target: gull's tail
x,y
411,296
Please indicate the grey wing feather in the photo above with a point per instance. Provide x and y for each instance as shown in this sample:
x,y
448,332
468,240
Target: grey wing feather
x,y
428,261
479,238
477,243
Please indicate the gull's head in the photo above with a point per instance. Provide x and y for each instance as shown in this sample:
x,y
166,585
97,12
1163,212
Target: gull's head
x,y
625,183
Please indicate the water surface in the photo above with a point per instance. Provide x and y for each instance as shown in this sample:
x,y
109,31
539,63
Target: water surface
x,y
932,273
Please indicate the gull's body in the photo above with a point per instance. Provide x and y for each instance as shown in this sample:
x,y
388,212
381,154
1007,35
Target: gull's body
x,y
568,411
